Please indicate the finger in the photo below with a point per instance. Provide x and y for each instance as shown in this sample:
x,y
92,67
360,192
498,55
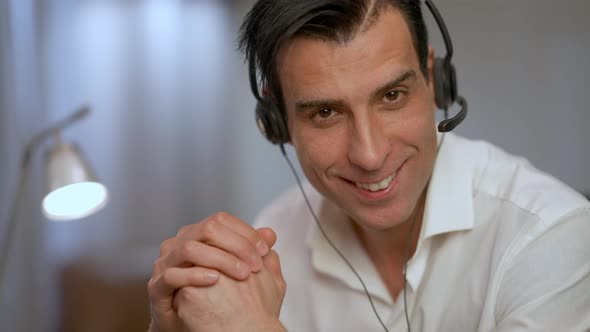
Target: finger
x,y
167,246
185,229
244,229
174,278
200,254
269,236
217,234
273,265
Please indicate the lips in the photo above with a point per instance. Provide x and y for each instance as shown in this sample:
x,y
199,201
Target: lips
x,y
376,186
381,188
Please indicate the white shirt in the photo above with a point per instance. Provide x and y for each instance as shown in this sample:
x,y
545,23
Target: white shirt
x,y
503,247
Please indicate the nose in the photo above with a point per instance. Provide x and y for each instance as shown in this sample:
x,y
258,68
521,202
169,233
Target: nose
x,y
368,142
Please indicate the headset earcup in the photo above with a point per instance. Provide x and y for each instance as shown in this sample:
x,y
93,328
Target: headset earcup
x,y
440,84
445,83
262,121
271,123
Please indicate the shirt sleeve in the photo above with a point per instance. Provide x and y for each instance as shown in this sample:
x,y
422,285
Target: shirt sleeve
x,y
547,286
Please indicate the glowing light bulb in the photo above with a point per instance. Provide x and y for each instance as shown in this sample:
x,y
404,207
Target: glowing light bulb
x,y
75,201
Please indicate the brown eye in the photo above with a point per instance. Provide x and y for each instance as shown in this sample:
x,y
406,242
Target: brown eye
x,y
325,113
392,96
324,117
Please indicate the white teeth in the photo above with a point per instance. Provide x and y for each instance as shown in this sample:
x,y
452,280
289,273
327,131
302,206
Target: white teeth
x,y
376,186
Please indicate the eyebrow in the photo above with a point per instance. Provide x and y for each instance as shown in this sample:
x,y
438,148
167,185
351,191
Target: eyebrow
x,y
407,75
301,106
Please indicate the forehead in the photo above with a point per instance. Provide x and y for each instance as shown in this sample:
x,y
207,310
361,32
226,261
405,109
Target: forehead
x,y
386,48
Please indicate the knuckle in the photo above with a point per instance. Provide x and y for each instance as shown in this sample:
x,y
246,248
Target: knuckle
x,y
157,265
245,248
186,250
183,230
181,296
184,300
209,229
221,215
187,294
166,246
253,236
282,285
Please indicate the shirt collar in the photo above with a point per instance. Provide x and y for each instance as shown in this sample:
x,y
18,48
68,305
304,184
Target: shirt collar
x,y
449,208
449,202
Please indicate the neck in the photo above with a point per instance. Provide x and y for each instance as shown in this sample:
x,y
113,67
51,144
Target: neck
x,y
390,249
395,241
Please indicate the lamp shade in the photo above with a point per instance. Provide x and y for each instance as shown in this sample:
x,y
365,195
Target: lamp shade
x,y
73,190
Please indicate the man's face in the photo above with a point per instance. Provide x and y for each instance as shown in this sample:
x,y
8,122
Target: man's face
x,y
361,119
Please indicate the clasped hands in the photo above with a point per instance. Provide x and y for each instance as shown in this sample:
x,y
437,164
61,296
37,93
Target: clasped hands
x,y
217,275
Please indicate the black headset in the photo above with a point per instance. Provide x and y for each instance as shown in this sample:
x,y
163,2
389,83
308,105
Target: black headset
x,y
273,125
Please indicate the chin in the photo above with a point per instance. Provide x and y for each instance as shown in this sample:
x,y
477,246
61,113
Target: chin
x,y
379,223
379,218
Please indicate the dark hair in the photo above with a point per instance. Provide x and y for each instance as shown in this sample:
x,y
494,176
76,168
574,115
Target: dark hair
x,y
270,23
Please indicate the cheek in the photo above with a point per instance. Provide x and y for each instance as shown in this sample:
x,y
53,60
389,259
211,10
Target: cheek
x,y
426,141
317,151
424,122
419,133
425,131
430,129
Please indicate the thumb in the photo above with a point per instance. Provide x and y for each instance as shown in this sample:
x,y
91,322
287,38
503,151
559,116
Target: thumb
x,y
273,265
271,260
268,235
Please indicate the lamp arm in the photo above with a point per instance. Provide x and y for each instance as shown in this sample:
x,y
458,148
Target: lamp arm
x,y
9,231
22,182
42,136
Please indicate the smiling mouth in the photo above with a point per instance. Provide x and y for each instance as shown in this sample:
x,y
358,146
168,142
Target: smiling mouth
x,y
383,184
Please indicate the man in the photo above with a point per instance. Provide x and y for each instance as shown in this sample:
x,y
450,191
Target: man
x,y
490,243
